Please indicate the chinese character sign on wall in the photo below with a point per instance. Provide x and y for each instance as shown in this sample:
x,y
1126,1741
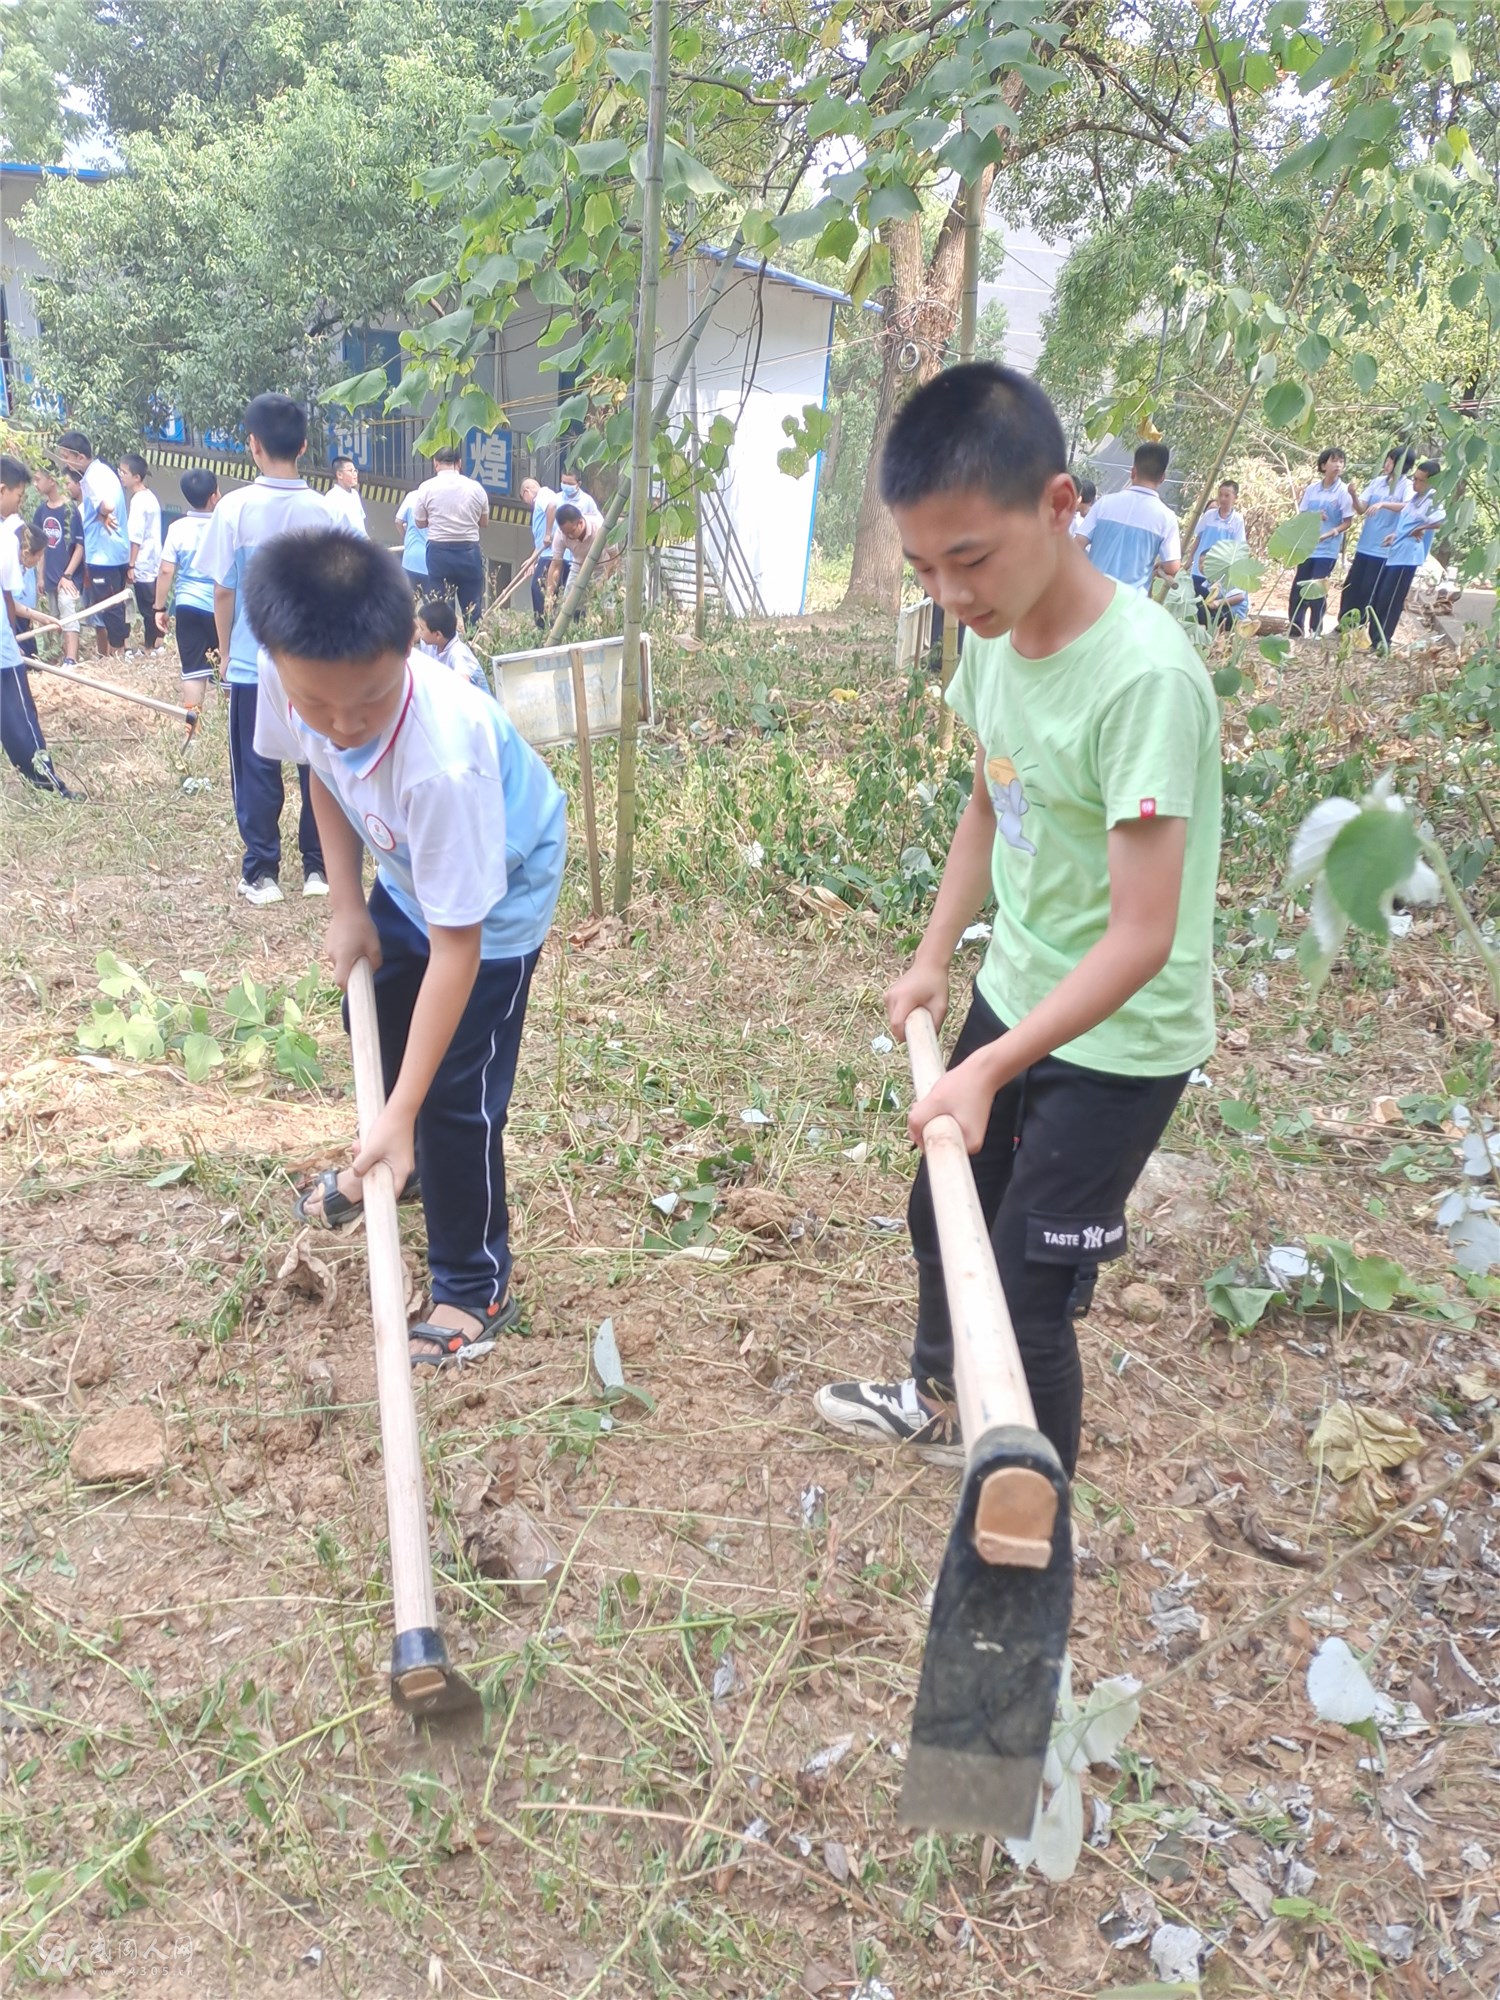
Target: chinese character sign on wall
x,y
487,459
350,440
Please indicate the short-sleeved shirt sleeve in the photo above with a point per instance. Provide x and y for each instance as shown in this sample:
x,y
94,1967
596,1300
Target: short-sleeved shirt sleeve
x,y
216,552
1148,759
10,565
1171,540
456,834
274,736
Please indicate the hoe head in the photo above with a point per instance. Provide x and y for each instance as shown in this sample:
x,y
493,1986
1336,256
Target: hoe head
x,y
995,1644
425,1685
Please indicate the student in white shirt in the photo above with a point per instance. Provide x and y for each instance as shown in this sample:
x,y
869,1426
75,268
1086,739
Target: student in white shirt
x,y
467,830
1134,533
197,634
1082,524
413,546
106,545
279,501
20,727
1378,506
342,498
437,634
1328,496
1222,523
143,526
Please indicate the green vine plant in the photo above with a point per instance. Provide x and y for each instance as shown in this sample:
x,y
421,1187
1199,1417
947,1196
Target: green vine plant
x,y
253,1026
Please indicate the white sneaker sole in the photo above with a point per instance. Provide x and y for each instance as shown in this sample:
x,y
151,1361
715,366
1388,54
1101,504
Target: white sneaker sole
x,y
845,1418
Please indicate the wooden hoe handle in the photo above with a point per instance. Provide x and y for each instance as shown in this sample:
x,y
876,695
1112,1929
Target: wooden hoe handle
x,y
1018,1506
400,1447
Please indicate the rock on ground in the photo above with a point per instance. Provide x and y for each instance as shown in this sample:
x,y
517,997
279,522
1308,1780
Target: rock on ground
x,y
120,1448
1175,1195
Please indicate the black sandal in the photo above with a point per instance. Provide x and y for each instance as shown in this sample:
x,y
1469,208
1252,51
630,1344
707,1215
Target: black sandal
x,y
337,1211
456,1346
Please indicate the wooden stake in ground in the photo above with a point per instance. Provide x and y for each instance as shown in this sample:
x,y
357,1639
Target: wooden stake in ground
x,y
640,459
586,773
108,687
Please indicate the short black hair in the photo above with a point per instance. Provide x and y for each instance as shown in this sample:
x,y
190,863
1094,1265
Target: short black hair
x,y
1233,485
76,441
324,594
447,454
1431,467
33,541
1088,492
438,615
337,462
138,466
1151,462
1331,451
279,423
566,515
1405,460
977,428
13,472
199,485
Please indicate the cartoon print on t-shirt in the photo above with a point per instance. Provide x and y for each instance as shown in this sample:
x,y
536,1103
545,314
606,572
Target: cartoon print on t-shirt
x,y
1008,797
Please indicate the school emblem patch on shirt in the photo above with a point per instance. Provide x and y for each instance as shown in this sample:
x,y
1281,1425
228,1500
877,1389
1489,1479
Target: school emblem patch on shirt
x,y
380,833
1148,809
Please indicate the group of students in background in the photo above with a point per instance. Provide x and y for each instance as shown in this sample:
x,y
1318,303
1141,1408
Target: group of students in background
x,y
1133,536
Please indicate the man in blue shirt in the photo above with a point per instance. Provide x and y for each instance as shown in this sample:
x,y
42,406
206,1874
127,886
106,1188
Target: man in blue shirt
x,y
1134,533
1406,549
106,545
1329,496
543,504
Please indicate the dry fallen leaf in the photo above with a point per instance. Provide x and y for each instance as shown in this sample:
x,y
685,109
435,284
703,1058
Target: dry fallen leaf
x,y
1353,1438
302,1272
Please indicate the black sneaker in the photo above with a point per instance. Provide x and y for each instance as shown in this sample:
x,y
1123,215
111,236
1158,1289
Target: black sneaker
x,y
893,1413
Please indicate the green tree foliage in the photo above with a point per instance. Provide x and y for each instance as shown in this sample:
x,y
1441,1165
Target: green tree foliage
x,y
231,252
35,124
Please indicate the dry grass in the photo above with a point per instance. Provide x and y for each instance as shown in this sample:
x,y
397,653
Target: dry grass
x,y
205,1788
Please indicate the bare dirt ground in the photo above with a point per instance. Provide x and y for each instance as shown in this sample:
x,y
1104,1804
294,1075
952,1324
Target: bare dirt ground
x,y
687,1776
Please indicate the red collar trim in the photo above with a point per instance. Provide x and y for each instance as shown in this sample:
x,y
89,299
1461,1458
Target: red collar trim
x,y
386,751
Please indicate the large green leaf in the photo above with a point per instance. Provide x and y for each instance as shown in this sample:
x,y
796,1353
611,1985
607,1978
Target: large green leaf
x,y
597,157
1286,404
1369,858
892,203
684,178
1293,541
1366,372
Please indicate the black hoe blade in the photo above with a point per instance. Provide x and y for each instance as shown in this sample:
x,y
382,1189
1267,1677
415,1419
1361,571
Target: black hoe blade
x,y
990,1672
425,1685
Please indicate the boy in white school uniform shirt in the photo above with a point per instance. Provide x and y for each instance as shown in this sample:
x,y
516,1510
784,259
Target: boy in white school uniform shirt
x,y
1134,533
20,727
342,498
106,544
193,603
1329,497
1378,507
143,526
438,634
279,500
468,831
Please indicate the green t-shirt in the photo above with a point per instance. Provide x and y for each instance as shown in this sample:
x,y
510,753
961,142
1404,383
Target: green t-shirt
x,y
1122,724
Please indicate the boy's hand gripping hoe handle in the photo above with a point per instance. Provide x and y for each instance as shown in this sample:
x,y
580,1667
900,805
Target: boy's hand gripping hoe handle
x,y
1017,1512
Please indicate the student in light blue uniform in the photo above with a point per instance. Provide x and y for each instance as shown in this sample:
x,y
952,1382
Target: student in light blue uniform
x,y
1222,523
1329,496
1379,504
467,830
279,500
20,727
413,547
190,589
1406,549
1133,533
106,542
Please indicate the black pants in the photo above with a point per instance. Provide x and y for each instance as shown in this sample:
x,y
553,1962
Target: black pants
x,y
108,580
1307,612
456,569
197,637
145,603
21,732
259,795
1064,1147
539,592
1389,601
461,1126
1360,586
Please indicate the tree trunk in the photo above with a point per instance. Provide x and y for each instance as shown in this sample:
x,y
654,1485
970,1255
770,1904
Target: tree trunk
x,y
921,309
640,460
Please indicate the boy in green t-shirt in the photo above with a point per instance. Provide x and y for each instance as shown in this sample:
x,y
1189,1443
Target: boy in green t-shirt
x,y
1094,823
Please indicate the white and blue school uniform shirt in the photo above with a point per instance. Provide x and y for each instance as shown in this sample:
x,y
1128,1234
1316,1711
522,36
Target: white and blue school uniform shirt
x,y
11,655
458,657
1376,527
1213,527
143,526
1409,550
236,529
1133,530
103,547
193,588
414,539
465,821
544,500
1336,505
